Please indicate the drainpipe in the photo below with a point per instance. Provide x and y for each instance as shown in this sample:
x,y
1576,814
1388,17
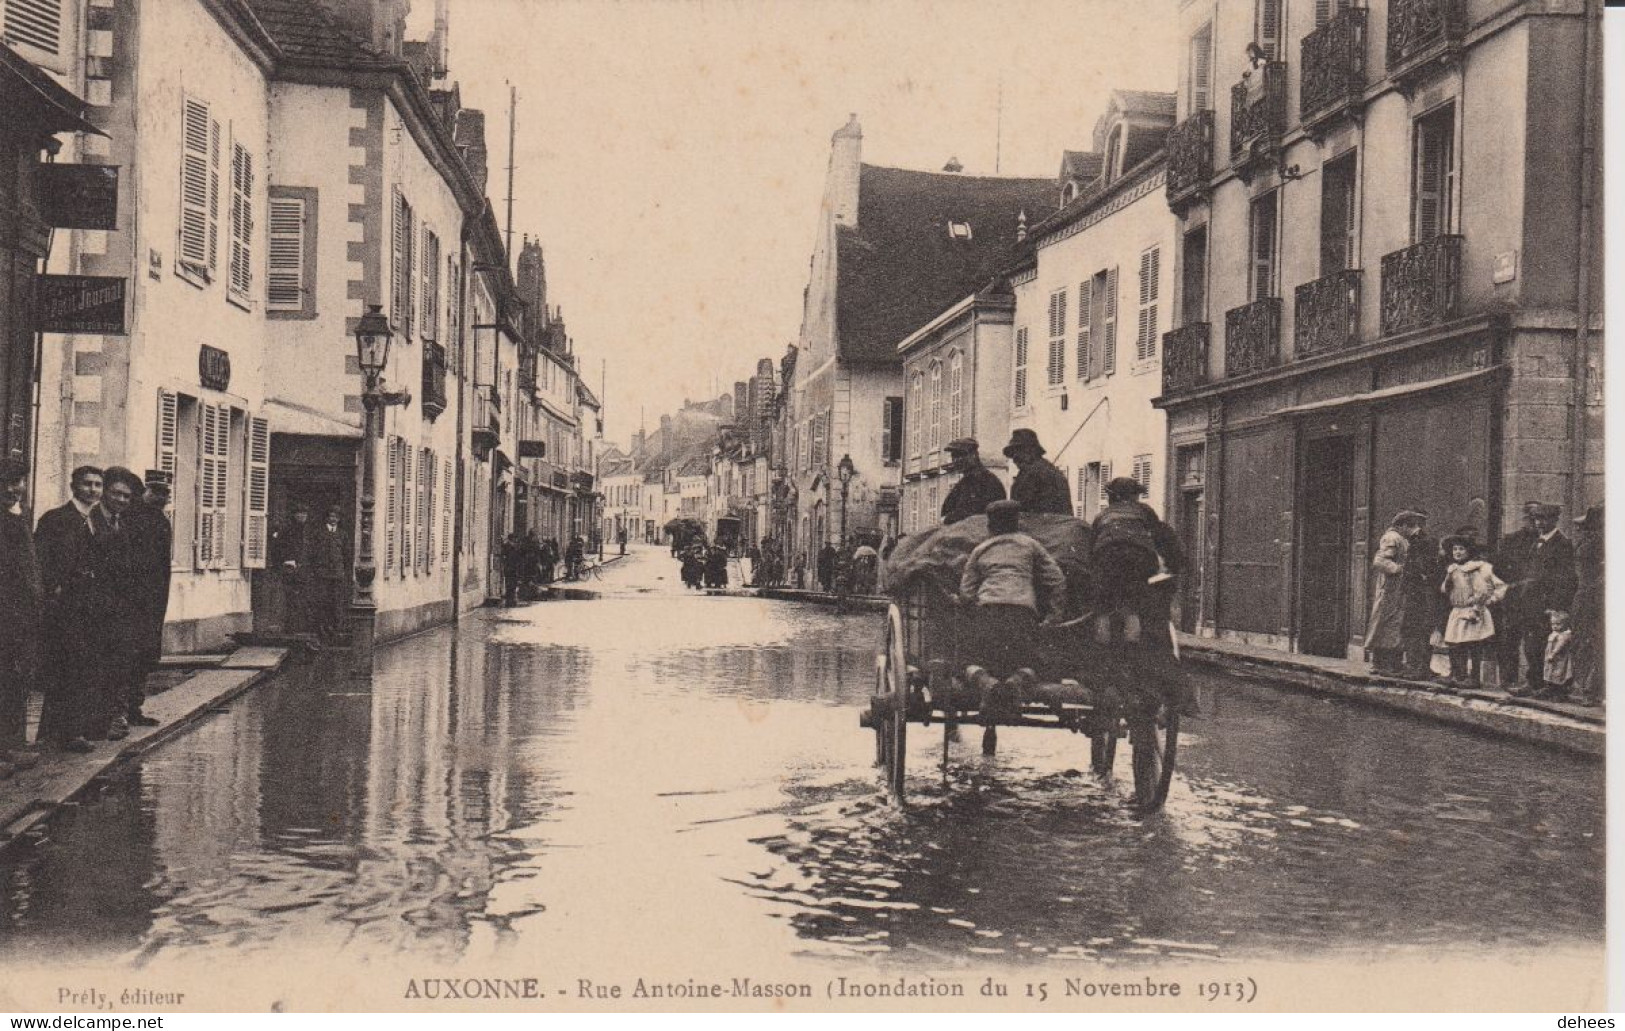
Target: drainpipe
x,y
462,404
1581,379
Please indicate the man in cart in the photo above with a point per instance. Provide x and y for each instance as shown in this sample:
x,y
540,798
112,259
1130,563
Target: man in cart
x,y
1010,582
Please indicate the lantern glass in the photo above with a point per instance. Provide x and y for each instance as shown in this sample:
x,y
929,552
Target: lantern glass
x,y
846,470
372,339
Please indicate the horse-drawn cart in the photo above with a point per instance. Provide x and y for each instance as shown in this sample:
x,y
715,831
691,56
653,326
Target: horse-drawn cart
x,y
1107,672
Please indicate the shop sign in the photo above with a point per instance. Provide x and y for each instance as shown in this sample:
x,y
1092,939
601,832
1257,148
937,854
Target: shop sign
x,y
79,196
213,368
80,304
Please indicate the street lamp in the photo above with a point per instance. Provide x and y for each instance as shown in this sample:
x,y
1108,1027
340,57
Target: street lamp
x,y
844,471
373,335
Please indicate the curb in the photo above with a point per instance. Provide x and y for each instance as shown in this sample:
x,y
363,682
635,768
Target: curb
x,y
1474,710
65,780
856,602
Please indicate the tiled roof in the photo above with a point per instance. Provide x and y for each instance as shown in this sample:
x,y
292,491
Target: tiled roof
x,y
304,31
1135,101
1082,165
902,265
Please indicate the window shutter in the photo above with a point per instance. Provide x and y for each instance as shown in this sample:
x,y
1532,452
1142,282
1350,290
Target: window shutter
x,y
242,220
1201,97
1105,478
391,502
1021,368
1269,28
1264,247
168,439
285,266
214,196
408,509
258,490
1108,349
1433,177
1150,273
446,502
222,480
956,394
936,406
1055,367
1086,291
431,300
34,23
431,500
194,232
206,473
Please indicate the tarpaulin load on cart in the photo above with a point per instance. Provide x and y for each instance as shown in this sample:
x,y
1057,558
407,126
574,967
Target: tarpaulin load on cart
x,y
936,558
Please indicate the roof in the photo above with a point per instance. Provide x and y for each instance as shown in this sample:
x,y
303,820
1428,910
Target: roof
x,y
1082,165
697,464
587,397
1093,195
1144,102
900,266
304,30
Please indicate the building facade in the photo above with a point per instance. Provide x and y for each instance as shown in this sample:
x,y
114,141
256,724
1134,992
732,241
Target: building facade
x,y
1387,291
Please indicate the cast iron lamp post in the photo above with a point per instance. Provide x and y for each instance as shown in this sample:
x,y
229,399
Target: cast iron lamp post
x,y
844,471
372,338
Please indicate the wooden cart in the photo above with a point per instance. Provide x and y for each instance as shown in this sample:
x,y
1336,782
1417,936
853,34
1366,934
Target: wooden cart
x,y
1104,676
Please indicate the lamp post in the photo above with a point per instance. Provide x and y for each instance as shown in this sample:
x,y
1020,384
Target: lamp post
x,y
372,339
844,471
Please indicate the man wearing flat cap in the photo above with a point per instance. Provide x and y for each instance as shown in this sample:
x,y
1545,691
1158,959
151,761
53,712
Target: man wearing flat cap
x,y
1548,585
1039,487
976,487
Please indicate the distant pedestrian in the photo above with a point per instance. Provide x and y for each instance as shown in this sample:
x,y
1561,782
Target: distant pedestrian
x,y
329,578
828,557
1384,643
286,555
799,572
69,613
1471,586
19,616
550,559
513,564
1039,487
620,540
976,487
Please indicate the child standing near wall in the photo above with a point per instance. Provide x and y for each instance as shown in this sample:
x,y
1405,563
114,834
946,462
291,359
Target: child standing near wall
x,y
1472,586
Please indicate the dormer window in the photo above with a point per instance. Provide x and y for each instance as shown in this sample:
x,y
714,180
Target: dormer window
x,y
1069,193
1114,154
959,230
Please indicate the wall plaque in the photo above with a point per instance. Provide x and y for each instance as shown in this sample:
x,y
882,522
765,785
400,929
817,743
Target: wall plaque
x,y
80,304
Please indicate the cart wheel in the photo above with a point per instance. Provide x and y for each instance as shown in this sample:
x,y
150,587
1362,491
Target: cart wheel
x,y
1154,739
882,733
896,689
1103,752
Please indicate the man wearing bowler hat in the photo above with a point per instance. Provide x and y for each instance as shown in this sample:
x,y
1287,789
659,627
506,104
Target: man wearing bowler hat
x,y
1548,585
976,488
1039,487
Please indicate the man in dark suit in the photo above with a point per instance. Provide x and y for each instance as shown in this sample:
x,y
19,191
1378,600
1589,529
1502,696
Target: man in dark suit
x,y
151,544
19,616
1512,554
119,596
69,661
1548,585
1039,486
976,488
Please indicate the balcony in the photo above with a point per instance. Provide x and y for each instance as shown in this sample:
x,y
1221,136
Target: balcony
x,y
1423,35
1421,285
1258,119
1184,357
1326,314
487,422
1190,160
434,379
1332,76
1252,337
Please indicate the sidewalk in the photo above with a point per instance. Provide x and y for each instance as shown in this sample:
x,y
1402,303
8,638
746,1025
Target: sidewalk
x,y
854,602
182,691
1574,727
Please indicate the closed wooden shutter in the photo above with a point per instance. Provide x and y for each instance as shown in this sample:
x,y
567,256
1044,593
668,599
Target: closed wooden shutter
x,y
430,498
1269,28
1055,367
1150,275
431,296
1263,246
168,436
1086,307
392,502
34,23
1108,345
408,508
214,196
401,305
214,451
1105,478
242,220
285,272
936,406
1435,174
445,510
1020,391
1201,66
257,492
194,232
956,395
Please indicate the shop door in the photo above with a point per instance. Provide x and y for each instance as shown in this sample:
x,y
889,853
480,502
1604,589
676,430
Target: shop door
x,y
1190,525
1327,504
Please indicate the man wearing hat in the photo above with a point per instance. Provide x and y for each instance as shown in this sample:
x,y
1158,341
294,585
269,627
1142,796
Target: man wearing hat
x,y
1129,541
150,541
1590,627
976,487
1548,585
1511,561
1039,487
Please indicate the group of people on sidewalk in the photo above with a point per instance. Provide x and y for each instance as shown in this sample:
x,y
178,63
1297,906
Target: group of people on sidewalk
x,y
530,562
82,616
314,573
1535,605
704,564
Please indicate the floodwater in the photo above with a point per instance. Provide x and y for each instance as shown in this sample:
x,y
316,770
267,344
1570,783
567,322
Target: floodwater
x,y
685,772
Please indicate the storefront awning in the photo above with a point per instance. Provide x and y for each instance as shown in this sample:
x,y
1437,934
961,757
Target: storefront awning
x,y
1389,393
39,98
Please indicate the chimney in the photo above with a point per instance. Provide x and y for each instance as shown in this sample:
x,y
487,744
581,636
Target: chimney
x,y
381,24
953,165
469,135
741,402
845,171
438,42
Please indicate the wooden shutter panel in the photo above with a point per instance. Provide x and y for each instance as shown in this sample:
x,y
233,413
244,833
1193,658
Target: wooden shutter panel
x,y
1202,70
194,231
1086,292
257,491
1105,478
285,270
168,438
445,512
222,481
399,260
430,263
1269,28
1432,179
391,503
408,504
214,195
33,23
242,220
1108,361
1021,368
206,472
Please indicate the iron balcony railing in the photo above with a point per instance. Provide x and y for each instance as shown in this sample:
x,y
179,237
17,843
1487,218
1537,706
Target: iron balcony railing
x,y
1190,159
1258,116
1252,337
1326,314
1331,79
434,379
1184,357
1421,285
1422,33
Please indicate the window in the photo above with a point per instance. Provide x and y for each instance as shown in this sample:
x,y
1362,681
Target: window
x,y
1263,247
891,429
241,251
392,503
400,310
936,406
1145,343
1193,277
431,285
257,492
1326,10
1114,154
1102,351
215,530
916,413
1142,471
1056,368
956,396
1092,488
33,23
1086,295
198,248
1200,87
287,280
1434,183
1267,27
1021,368
1337,199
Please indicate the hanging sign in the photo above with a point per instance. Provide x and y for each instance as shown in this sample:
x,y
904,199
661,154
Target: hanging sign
x,y
80,304
213,368
79,196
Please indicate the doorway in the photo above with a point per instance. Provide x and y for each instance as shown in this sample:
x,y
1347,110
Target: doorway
x,y
1327,503
1190,522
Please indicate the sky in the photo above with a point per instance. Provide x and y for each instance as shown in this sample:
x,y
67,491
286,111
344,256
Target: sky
x,y
671,153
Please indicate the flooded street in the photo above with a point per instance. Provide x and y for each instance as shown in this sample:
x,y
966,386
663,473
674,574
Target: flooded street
x,y
563,779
